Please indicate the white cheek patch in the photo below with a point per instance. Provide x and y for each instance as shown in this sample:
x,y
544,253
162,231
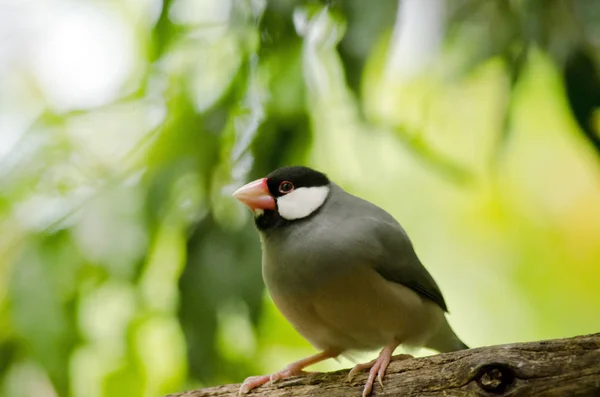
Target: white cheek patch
x,y
301,202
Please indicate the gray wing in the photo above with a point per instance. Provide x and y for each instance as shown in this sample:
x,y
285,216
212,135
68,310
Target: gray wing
x,y
390,250
401,265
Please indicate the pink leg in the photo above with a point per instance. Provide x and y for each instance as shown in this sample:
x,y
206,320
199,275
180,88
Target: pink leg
x,y
377,367
295,368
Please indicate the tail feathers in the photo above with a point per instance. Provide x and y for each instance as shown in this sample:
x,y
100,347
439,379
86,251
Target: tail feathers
x,y
461,345
445,340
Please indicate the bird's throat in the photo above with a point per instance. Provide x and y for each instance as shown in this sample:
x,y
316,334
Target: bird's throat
x,y
268,220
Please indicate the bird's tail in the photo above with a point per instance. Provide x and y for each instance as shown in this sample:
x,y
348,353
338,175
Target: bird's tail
x,y
445,340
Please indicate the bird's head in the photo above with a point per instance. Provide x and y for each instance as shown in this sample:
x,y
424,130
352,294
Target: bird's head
x,y
286,194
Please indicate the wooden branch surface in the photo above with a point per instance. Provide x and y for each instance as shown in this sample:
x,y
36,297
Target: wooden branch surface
x,y
559,367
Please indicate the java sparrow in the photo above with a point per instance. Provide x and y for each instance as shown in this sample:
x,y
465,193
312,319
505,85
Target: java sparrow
x,y
343,272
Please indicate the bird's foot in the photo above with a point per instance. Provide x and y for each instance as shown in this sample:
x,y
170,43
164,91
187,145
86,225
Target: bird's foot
x,y
294,369
377,368
256,381
253,382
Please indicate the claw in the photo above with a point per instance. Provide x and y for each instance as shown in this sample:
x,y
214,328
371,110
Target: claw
x,y
376,368
359,368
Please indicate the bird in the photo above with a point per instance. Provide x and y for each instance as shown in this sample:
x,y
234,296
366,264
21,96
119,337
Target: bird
x,y
344,273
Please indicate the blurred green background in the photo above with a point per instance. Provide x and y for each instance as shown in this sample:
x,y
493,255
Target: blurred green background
x,y
127,269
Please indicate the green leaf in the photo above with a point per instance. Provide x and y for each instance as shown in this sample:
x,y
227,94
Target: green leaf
x,y
42,288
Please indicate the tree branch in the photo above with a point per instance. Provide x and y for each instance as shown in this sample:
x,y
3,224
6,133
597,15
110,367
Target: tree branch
x,y
558,367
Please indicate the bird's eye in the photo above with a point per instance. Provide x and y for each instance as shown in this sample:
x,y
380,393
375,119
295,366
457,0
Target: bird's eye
x,y
286,187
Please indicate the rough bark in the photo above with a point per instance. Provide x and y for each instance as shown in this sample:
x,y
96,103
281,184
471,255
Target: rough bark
x,y
558,367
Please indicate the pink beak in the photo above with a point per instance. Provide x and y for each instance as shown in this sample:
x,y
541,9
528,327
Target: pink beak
x,y
256,195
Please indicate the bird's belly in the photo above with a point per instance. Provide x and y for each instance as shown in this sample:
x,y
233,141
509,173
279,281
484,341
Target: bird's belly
x,y
359,312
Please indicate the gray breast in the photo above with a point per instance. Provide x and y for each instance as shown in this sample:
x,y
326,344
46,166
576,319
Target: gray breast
x,y
307,254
